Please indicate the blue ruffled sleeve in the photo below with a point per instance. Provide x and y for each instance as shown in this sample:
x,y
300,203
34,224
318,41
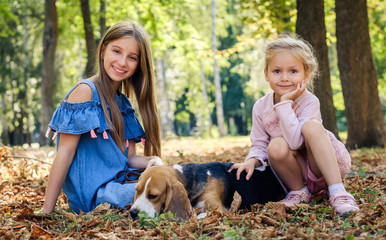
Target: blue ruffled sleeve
x,y
78,118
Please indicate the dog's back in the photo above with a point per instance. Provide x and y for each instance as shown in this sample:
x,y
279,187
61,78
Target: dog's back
x,y
197,179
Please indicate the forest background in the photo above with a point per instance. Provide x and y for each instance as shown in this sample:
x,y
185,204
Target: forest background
x,y
209,73
207,58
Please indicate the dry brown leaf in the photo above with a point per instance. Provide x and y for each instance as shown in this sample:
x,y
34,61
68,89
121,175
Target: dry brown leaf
x,y
236,203
102,208
70,216
279,212
93,222
269,221
39,233
107,236
382,222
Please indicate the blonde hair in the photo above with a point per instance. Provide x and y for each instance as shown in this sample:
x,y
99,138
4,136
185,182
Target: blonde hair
x,y
141,83
299,48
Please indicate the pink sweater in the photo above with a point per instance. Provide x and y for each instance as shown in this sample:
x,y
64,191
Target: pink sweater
x,y
286,119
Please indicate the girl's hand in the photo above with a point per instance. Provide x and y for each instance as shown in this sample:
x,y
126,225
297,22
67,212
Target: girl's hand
x,y
154,161
300,88
247,166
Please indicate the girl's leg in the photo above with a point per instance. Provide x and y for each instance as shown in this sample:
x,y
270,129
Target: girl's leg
x,y
323,163
286,163
290,166
320,153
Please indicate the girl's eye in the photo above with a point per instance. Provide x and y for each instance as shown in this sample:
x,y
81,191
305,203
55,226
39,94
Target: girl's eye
x,y
276,71
293,71
116,51
133,58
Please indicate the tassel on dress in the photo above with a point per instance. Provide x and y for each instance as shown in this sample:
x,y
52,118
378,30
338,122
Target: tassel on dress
x,y
55,134
105,136
92,133
48,131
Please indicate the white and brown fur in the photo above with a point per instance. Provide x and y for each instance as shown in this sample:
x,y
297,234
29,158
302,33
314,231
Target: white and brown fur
x,y
184,187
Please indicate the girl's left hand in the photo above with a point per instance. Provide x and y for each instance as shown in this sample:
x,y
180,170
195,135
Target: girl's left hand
x,y
300,88
155,161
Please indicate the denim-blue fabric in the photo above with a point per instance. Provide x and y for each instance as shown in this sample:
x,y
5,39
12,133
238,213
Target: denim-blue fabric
x,y
91,178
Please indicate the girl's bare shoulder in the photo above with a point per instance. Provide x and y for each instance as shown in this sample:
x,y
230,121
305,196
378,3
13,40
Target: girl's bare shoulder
x,y
82,93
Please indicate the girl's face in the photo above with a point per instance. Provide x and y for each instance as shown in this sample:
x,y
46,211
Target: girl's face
x,y
120,59
284,72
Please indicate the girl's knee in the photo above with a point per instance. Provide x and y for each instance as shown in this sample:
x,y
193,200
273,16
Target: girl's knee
x,y
312,128
278,150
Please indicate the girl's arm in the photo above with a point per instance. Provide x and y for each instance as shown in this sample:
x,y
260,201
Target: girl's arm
x,y
136,161
66,150
291,122
259,137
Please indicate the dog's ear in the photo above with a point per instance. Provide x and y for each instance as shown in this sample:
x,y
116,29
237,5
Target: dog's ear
x,y
177,201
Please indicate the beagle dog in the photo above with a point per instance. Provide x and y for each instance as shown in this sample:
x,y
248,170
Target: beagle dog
x,y
181,187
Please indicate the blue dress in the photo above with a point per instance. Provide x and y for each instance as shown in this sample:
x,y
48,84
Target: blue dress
x,y
91,178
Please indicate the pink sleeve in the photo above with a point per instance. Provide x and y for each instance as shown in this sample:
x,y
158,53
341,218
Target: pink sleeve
x,y
291,122
259,137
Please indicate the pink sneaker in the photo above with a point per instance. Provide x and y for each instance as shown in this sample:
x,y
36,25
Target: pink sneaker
x,y
343,202
296,197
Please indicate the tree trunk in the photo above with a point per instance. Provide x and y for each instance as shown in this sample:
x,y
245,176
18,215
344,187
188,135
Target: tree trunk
x,y
3,67
50,40
310,26
217,80
206,101
25,110
166,116
4,132
365,122
90,42
102,18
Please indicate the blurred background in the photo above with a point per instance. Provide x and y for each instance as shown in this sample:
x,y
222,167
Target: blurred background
x,y
207,58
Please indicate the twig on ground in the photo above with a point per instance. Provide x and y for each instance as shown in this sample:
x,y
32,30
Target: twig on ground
x,y
31,158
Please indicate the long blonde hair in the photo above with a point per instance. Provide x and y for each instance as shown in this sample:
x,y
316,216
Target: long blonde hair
x,y
297,46
141,83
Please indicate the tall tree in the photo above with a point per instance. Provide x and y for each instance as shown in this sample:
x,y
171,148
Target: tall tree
x,y
25,110
102,18
311,26
205,96
50,40
165,113
217,80
90,42
365,123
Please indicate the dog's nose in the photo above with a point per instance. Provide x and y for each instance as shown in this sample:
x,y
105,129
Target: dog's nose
x,y
134,214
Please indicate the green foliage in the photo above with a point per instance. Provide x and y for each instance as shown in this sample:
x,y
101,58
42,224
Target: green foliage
x,y
361,173
350,237
232,234
180,33
20,57
6,17
265,18
149,222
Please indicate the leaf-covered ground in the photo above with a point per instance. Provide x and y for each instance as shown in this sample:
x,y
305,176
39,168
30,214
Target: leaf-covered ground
x,y
24,176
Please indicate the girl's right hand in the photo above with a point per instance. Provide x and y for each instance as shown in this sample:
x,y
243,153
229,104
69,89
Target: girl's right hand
x,y
155,161
247,166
